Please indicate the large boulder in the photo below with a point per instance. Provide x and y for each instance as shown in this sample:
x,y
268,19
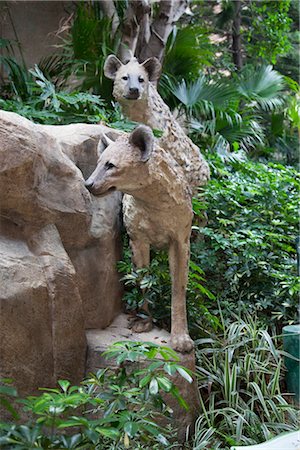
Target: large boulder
x,y
58,250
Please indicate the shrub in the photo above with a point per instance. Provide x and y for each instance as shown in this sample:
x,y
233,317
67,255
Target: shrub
x,y
126,403
43,103
245,256
249,252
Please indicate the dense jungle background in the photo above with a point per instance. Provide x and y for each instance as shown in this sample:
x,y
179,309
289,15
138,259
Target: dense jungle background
x,y
230,75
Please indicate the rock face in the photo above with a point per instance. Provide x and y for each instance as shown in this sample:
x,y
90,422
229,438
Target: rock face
x,y
58,249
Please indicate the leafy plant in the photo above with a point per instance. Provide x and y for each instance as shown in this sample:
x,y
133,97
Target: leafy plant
x,y
113,409
188,52
268,35
248,254
7,394
86,42
44,104
240,378
227,113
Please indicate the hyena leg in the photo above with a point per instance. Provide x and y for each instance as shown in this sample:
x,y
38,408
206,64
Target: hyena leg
x,y
141,258
179,253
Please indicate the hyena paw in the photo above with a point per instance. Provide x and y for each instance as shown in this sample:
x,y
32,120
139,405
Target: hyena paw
x,y
138,325
182,343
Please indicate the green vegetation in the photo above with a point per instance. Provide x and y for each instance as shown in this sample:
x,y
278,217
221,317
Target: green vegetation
x,y
38,100
240,388
248,253
112,409
245,255
244,115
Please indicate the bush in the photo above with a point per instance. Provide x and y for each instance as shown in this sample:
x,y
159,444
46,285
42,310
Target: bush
x,y
240,377
126,404
249,251
43,103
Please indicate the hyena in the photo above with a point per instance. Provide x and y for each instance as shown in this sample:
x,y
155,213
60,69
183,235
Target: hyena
x,y
157,212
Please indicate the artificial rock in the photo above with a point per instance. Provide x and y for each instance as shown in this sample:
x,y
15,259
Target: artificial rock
x,y
59,247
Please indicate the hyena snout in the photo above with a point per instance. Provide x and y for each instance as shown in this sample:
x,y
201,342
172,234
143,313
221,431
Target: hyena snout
x,y
133,93
89,184
99,188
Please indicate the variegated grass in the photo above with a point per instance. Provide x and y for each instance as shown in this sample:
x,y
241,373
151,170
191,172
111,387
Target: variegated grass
x,y
240,385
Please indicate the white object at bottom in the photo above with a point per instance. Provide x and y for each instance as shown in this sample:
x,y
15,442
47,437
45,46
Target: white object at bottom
x,y
289,441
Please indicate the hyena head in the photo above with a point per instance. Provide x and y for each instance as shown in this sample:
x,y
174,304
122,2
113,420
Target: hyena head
x,y
131,80
122,165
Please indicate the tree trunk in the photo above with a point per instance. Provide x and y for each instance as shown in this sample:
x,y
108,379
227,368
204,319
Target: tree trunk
x,y
135,14
143,35
168,14
236,35
110,11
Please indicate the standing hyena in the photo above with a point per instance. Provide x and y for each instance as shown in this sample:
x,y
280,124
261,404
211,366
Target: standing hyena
x,y
142,103
157,211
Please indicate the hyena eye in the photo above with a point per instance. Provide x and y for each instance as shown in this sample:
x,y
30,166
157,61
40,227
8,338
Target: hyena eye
x,y
141,79
125,78
109,165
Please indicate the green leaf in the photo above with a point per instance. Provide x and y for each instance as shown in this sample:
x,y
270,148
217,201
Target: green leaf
x,y
184,373
153,387
111,433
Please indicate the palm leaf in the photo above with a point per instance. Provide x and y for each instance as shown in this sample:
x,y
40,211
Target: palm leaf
x,y
188,51
262,86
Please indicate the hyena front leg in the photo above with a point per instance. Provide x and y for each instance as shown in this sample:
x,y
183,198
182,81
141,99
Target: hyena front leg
x,y
179,254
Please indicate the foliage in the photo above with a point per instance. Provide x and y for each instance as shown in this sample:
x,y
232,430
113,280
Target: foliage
x,y
113,409
240,378
88,42
7,392
268,35
42,103
228,113
283,135
19,80
245,256
188,52
153,284
248,254
264,32
288,63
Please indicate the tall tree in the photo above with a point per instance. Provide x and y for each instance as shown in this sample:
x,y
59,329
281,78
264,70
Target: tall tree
x,y
236,35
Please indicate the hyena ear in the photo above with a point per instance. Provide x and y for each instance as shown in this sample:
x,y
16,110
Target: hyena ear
x,y
103,143
106,140
111,66
142,137
153,68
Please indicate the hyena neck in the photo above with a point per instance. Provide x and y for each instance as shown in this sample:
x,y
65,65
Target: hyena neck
x,y
135,110
151,111
166,185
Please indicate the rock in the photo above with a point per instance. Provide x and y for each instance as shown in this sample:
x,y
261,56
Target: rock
x,y
95,263
26,342
98,342
65,305
59,247
39,183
